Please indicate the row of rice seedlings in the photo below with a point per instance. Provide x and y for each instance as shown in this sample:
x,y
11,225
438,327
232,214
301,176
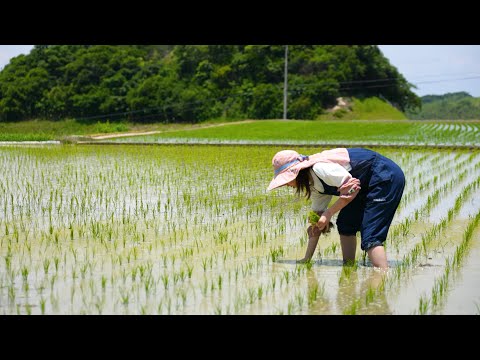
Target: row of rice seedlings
x,y
456,133
285,295
415,167
250,290
434,231
401,230
410,259
406,206
432,303
453,134
428,183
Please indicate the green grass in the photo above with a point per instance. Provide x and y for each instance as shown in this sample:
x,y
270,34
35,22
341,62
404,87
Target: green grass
x,y
41,130
324,132
299,130
38,130
25,137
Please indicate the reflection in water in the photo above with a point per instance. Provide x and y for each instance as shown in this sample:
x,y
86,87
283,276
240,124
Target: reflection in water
x,y
362,296
357,289
320,262
337,262
318,302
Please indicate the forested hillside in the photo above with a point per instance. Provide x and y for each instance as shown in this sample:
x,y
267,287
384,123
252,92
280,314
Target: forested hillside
x,y
192,83
451,106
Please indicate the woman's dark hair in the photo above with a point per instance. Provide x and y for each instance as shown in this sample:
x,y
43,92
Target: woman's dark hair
x,y
303,182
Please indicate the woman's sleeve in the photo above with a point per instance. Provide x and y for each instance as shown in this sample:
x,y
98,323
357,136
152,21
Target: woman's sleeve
x,y
320,201
333,174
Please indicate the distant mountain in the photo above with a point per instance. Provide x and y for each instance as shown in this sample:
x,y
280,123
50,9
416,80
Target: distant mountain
x,y
449,96
450,106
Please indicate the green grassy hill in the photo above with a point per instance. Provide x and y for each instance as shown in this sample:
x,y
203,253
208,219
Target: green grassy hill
x,y
365,109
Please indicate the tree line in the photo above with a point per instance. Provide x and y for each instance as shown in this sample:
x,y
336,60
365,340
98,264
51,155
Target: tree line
x,y
192,83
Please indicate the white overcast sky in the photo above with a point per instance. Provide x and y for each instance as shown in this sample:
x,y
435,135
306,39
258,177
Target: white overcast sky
x,y
434,69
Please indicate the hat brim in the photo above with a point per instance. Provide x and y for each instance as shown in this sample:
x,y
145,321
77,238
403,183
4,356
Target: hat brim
x,y
281,180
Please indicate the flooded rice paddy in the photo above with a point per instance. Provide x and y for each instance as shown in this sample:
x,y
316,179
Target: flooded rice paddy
x,y
192,230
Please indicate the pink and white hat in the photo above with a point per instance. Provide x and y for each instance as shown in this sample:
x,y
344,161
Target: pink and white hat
x,y
287,164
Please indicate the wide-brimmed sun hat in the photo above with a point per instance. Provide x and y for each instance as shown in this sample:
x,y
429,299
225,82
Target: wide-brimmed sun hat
x,y
286,165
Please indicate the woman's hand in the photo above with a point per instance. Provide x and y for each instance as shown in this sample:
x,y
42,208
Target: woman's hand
x,y
324,222
313,231
350,188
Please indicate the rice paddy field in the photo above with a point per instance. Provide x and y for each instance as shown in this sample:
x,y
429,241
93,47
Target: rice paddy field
x,y
177,229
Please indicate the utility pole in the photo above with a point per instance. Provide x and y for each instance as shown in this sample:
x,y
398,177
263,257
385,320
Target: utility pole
x,y
285,85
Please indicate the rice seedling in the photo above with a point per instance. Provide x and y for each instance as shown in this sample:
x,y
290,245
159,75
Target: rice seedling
x,y
370,295
42,305
25,274
204,287
46,265
308,264
290,308
260,292
104,283
220,282
299,300
190,270
423,305
313,294
125,297
353,309
149,284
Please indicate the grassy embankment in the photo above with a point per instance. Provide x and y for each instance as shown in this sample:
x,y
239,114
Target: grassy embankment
x,y
41,130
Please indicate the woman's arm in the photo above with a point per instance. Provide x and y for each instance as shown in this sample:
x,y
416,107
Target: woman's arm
x,y
313,236
315,231
336,207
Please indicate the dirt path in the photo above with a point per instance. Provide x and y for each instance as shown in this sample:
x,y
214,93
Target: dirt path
x,y
133,133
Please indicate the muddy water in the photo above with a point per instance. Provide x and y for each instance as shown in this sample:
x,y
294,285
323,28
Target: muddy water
x,y
144,231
